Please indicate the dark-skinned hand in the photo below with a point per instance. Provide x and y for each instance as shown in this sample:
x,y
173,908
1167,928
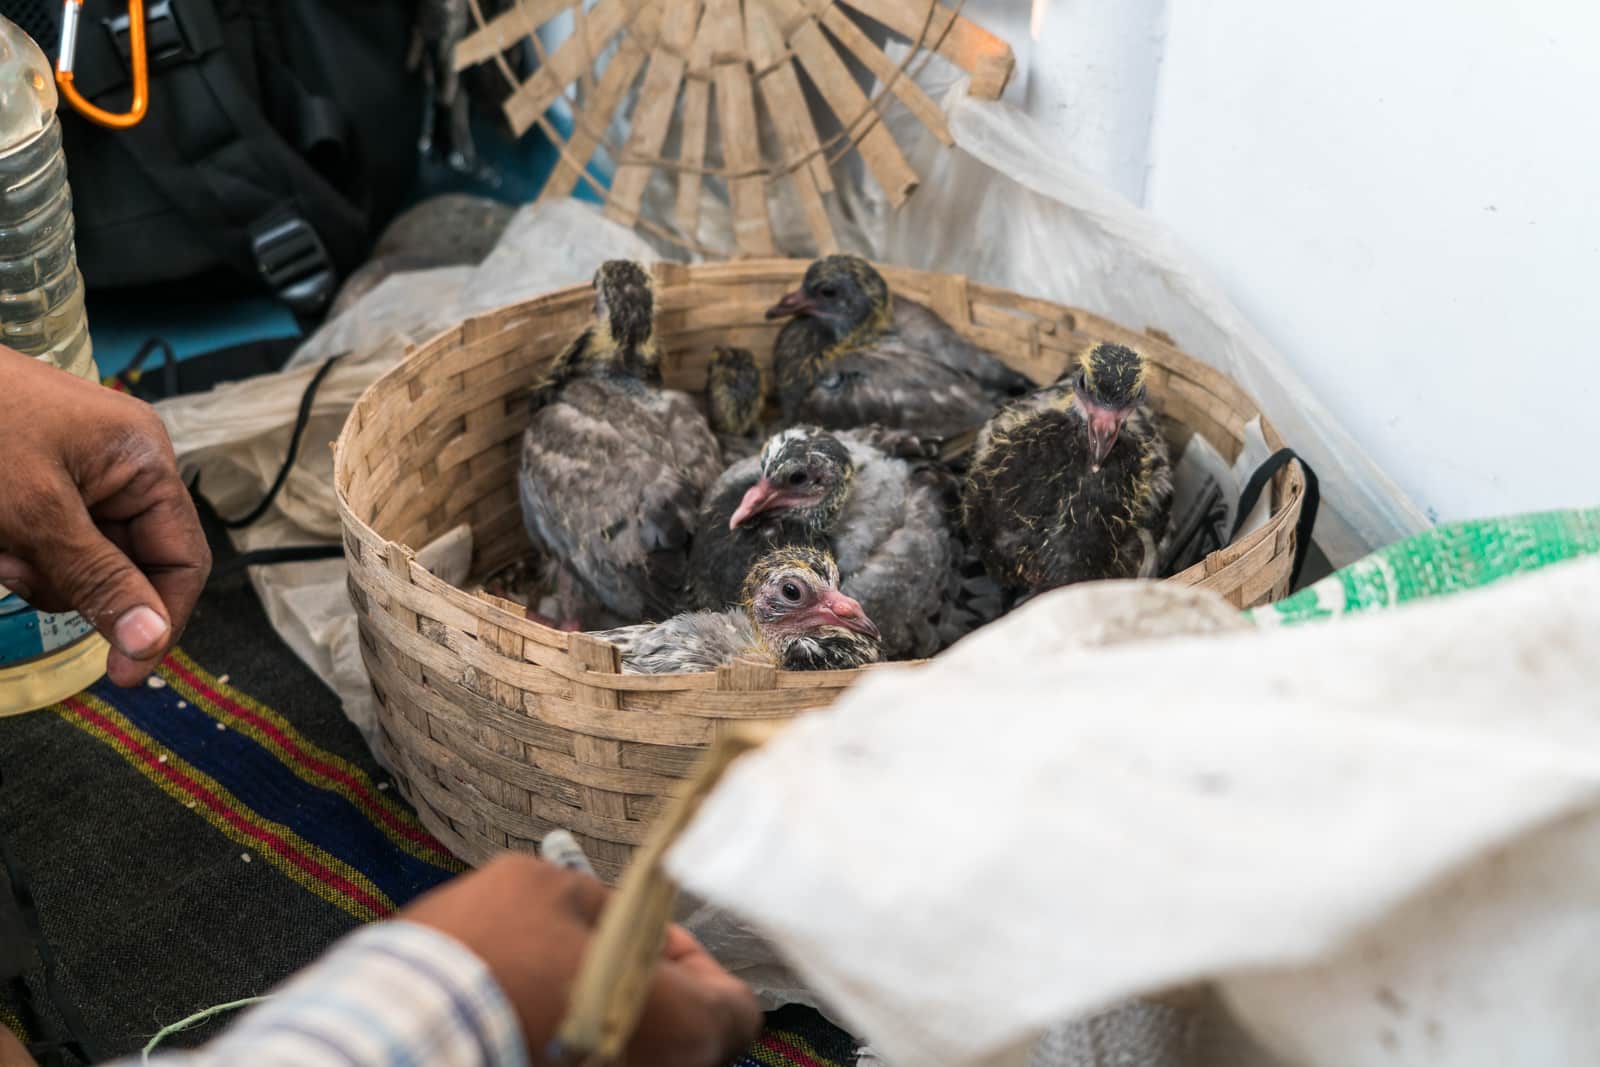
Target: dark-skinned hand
x,y
94,517
531,922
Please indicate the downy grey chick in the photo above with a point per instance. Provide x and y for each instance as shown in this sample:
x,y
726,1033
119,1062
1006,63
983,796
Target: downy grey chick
x,y
1073,483
736,399
890,524
792,615
854,354
613,465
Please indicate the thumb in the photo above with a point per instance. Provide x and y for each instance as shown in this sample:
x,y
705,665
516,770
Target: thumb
x,y
101,583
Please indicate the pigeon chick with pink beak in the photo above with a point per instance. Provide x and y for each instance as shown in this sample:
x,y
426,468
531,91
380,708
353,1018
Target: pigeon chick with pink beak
x,y
1073,483
889,523
792,615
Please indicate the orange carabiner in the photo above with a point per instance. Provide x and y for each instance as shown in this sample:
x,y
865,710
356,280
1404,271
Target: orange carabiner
x,y
141,68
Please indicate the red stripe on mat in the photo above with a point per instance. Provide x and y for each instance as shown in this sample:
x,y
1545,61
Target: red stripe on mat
x,y
233,818
368,802
799,1057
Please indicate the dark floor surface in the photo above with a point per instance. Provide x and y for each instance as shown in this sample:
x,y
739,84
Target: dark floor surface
x,y
151,912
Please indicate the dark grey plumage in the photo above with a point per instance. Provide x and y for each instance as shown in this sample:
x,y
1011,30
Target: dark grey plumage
x,y
736,400
614,467
857,354
793,616
1073,483
890,524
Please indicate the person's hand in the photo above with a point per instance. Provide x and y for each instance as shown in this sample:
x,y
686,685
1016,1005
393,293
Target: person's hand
x,y
531,922
13,1053
93,514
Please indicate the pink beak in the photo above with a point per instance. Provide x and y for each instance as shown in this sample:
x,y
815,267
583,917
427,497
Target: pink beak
x,y
795,303
836,608
763,496
1104,425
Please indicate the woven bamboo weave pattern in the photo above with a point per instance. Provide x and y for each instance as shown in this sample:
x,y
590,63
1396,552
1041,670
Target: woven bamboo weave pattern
x,y
500,729
719,94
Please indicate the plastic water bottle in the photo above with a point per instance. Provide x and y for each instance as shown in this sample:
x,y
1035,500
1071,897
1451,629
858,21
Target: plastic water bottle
x,y
43,657
41,291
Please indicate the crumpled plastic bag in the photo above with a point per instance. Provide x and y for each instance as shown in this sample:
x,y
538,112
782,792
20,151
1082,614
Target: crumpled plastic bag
x,y
1206,497
236,435
1377,838
1008,207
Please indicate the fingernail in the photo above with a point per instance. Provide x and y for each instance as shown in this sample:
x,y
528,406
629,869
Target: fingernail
x,y
139,632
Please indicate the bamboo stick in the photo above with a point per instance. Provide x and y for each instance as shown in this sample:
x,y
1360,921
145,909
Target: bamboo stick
x,y
505,30
609,993
653,113
833,80
591,123
966,44
565,65
696,120
741,144
791,118
900,82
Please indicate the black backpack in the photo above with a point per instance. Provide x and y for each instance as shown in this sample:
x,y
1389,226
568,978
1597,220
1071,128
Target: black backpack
x,y
280,135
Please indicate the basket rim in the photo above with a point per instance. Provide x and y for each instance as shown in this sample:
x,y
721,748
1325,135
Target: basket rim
x,y
1287,500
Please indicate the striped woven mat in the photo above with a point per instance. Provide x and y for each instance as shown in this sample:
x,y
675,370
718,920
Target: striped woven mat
x,y
315,818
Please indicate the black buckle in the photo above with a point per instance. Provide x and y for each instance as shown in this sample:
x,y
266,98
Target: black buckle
x,y
165,41
293,262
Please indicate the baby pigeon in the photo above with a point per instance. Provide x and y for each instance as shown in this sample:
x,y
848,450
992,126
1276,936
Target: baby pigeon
x,y
891,525
613,466
736,397
856,354
793,615
1073,483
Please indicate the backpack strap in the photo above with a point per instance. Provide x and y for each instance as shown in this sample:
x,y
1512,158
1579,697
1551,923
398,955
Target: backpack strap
x,y
311,121
1308,506
206,144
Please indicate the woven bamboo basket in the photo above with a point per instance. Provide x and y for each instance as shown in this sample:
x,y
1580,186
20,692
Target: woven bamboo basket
x,y
499,729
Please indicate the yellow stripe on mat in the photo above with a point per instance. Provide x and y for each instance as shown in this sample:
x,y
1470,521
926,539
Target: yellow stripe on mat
x,y
307,865
311,764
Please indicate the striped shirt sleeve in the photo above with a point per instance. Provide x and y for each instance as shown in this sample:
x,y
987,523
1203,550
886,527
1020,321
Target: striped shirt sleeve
x,y
394,994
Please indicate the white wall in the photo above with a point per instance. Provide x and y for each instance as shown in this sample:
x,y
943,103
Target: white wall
x,y
1401,196
1091,75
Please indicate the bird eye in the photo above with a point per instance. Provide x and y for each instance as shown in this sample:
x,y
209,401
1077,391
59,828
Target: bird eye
x,y
791,592
797,478
828,292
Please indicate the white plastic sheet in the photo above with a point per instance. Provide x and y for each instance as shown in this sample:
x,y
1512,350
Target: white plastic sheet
x,y
1379,837
237,434
1009,208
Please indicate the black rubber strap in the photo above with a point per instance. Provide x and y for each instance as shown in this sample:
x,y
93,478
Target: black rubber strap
x,y
77,1039
263,557
301,419
210,149
169,365
1308,507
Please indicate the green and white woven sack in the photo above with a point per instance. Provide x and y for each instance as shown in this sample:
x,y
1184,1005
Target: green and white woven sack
x,y
1448,559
